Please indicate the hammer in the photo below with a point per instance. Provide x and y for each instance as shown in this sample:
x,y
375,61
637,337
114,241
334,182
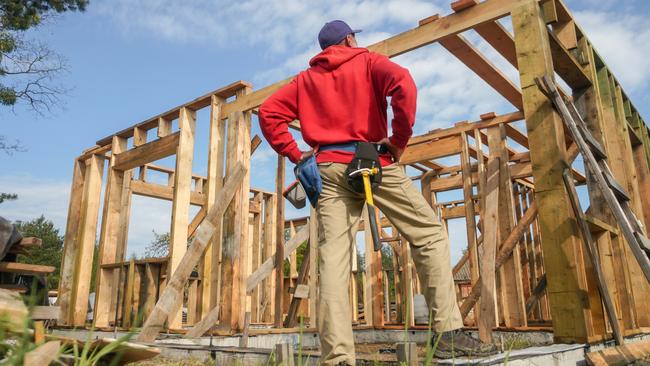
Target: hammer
x,y
372,218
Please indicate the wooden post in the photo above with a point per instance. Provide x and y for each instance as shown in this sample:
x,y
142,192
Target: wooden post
x,y
210,288
234,270
510,283
152,274
279,243
269,238
70,243
407,354
107,279
192,301
127,303
181,201
566,287
487,321
470,218
85,240
284,354
611,139
293,257
640,284
256,260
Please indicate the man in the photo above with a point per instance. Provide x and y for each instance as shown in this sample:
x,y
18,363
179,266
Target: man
x,y
339,100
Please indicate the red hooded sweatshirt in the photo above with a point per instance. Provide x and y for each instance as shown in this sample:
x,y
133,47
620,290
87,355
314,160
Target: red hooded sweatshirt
x,y
341,98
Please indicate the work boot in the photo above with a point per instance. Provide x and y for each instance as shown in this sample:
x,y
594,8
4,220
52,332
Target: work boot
x,y
457,343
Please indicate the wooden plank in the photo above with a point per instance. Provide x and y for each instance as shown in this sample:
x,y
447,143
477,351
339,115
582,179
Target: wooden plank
x,y
269,237
234,268
548,154
460,5
468,127
407,354
164,192
127,303
500,38
13,311
428,19
472,58
211,272
45,312
44,354
487,321
596,298
181,201
431,150
70,243
279,242
470,212
164,127
85,240
107,280
284,354
268,266
510,282
256,254
172,295
566,66
147,153
192,301
152,279
620,355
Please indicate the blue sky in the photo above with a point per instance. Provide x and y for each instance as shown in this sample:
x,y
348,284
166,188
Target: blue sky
x,y
130,60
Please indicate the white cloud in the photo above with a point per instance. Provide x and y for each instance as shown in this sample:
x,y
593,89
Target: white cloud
x,y
277,25
36,197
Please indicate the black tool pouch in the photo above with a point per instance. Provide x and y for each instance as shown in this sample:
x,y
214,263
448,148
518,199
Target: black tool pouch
x,y
365,156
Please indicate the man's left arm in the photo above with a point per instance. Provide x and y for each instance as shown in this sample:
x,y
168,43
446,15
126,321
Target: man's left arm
x,y
396,82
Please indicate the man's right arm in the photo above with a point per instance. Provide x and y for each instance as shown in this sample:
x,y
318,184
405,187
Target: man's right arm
x,y
276,113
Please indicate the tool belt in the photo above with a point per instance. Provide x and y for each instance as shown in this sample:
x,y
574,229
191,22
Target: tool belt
x,y
366,155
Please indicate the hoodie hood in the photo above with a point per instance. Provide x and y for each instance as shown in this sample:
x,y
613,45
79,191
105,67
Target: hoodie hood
x,y
334,56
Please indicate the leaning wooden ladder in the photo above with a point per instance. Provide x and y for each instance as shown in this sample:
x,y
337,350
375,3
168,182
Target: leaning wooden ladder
x,y
615,196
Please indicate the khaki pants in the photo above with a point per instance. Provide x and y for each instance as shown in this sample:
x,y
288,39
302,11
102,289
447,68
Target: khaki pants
x,y
339,209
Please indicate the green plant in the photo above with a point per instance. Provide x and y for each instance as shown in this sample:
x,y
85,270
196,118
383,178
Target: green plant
x,y
90,355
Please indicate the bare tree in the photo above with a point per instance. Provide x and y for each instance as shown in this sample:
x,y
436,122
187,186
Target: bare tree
x,y
28,69
31,70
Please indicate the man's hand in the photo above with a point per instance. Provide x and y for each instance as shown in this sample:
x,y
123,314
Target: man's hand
x,y
394,150
305,155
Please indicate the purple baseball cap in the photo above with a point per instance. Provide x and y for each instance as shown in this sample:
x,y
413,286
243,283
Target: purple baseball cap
x,y
333,33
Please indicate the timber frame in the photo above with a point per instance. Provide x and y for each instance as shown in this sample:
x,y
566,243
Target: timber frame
x,y
522,237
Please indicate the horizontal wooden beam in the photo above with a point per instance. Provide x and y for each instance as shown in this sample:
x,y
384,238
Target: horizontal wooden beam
x,y
198,103
151,151
431,150
24,268
163,192
466,127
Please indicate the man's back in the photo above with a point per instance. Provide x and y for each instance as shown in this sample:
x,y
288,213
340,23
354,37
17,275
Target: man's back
x,y
341,98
